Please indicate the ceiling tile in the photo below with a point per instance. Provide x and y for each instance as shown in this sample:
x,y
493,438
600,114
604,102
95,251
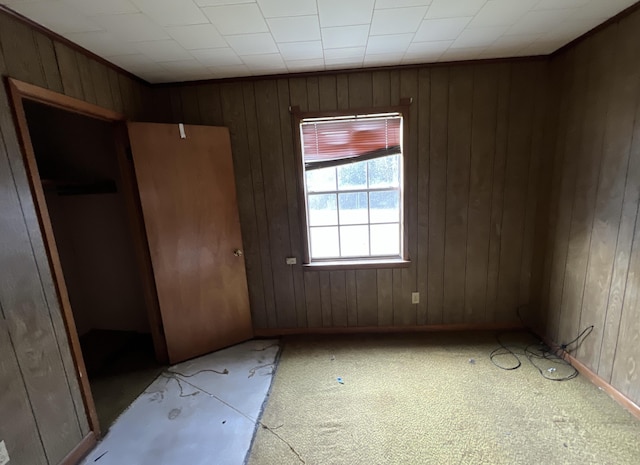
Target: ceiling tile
x,y
514,43
541,47
172,12
56,16
197,36
501,12
426,48
218,72
454,9
397,21
103,7
101,43
383,59
217,56
395,43
295,29
132,27
381,4
345,13
301,50
440,29
539,21
184,66
478,37
252,44
162,50
345,36
559,4
136,61
221,2
237,19
602,9
344,53
299,66
457,54
343,63
275,8
265,64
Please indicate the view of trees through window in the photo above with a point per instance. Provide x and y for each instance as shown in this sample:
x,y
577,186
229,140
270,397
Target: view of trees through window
x,y
354,209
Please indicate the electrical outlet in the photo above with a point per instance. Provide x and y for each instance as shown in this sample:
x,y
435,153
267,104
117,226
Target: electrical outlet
x,y
4,455
291,260
415,297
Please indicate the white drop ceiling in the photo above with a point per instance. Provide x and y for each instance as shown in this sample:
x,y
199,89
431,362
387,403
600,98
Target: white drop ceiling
x,y
184,40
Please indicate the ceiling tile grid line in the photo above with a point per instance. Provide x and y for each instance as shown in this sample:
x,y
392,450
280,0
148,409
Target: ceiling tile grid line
x,y
182,40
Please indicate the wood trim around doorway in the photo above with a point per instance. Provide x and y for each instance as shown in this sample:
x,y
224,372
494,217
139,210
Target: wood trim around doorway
x,y
18,92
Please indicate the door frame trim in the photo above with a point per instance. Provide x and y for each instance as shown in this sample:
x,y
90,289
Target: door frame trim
x,y
19,91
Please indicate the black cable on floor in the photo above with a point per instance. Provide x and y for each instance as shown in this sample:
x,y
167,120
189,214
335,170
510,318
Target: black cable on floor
x,y
539,354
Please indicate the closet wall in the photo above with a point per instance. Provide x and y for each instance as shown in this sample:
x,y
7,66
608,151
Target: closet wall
x,y
38,388
78,161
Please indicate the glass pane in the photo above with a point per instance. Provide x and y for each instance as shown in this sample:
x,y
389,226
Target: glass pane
x,y
353,208
352,176
321,180
385,239
354,241
385,206
323,210
324,242
384,172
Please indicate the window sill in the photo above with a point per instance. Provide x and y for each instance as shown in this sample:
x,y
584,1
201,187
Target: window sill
x,y
356,265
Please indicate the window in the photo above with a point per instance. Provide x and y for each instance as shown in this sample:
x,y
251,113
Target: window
x,y
353,187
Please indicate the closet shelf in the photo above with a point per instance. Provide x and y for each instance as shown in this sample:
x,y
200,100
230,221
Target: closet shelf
x,y
80,187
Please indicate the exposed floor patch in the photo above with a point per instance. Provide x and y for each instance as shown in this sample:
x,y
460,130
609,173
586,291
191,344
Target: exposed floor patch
x,y
202,411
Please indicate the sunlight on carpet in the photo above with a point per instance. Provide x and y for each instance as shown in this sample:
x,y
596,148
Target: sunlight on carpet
x,y
432,399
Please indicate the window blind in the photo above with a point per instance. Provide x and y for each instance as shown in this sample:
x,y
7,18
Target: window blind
x,y
329,142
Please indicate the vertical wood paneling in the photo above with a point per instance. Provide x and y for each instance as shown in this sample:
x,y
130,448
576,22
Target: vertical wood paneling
x,y
459,143
291,185
595,251
21,56
367,297
422,195
275,196
438,147
483,146
233,115
385,297
49,63
338,298
515,189
69,71
210,107
497,191
313,297
584,196
86,80
259,202
406,312
325,297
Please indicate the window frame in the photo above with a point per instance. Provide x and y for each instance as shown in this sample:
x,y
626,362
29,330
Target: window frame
x,y
352,262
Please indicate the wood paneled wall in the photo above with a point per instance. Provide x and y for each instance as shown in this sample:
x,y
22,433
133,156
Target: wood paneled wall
x,y
592,264
476,149
43,417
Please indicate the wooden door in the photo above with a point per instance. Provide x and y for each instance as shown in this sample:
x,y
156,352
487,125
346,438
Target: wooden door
x,y
188,196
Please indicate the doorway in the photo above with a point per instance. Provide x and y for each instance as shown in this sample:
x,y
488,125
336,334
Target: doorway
x,y
77,162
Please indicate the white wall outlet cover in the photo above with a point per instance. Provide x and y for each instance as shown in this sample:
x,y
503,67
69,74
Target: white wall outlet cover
x,y
291,260
4,455
415,297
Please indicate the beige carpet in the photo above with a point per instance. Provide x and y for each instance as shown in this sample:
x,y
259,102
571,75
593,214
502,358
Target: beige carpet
x,y
418,399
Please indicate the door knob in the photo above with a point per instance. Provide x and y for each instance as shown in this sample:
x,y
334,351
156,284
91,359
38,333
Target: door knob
x,y
237,253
